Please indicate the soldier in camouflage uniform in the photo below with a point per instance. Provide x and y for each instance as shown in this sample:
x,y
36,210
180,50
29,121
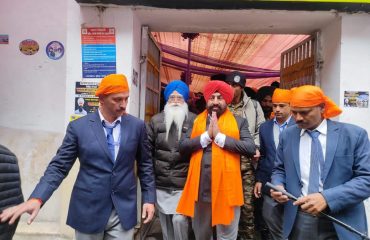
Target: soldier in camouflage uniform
x,y
244,106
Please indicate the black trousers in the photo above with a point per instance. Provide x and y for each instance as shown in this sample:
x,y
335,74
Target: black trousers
x,y
272,213
7,231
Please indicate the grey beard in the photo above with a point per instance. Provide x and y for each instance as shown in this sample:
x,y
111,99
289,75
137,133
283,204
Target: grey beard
x,y
175,113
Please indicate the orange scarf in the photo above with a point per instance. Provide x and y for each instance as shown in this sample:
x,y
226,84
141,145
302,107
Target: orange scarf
x,y
227,190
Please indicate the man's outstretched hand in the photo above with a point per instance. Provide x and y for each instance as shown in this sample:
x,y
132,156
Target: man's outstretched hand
x,y
32,207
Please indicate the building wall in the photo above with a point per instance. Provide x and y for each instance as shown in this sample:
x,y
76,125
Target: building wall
x,y
345,52
354,67
32,87
136,51
32,91
330,45
355,71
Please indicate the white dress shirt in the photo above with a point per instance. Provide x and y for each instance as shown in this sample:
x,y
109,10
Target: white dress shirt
x,y
278,128
219,139
116,132
305,154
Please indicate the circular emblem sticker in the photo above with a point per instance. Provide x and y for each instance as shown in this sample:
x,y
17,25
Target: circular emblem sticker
x,y
237,78
29,47
55,50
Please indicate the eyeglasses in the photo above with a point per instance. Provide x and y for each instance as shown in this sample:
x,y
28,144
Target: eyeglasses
x,y
176,97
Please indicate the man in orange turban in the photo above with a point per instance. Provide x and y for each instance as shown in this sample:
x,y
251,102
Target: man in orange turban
x,y
326,164
107,144
213,192
112,83
111,87
270,131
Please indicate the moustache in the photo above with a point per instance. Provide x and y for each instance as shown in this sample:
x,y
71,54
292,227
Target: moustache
x,y
174,105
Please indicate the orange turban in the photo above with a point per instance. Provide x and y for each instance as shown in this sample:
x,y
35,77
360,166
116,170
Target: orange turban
x,y
281,96
221,87
310,96
112,83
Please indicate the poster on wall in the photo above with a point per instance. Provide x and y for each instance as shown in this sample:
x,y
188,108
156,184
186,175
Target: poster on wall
x,y
85,100
356,99
4,39
55,50
98,52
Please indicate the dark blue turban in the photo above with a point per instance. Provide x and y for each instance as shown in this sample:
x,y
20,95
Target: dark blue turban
x,y
178,86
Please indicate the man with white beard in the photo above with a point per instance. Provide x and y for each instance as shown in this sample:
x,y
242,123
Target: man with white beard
x,y
164,132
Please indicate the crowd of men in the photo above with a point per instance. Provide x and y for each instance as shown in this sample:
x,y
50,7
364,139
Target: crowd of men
x,y
206,174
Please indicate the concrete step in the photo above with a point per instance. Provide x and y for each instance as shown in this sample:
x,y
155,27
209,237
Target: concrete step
x,y
21,236
42,231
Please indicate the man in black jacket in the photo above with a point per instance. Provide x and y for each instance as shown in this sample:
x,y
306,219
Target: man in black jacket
x,y
164,132
10,189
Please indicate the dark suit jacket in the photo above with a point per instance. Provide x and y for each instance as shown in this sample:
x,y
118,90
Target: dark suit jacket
x,y
101,184
268,152
346,174
10,189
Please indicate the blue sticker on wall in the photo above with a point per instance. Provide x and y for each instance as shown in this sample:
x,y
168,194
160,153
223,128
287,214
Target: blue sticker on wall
x,y
55,50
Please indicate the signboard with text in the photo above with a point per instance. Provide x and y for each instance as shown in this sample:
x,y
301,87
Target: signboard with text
x,y
98,52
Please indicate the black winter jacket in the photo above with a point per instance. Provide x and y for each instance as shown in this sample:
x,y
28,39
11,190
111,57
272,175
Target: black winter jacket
x,y
170,167
10,180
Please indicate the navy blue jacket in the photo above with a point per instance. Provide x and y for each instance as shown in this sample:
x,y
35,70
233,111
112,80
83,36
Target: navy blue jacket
x,y
101,183
268,153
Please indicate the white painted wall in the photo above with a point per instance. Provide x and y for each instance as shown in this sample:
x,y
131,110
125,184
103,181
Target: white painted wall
x,y
330,42
74,56
355,65
32,96
346,55
32,87
134,107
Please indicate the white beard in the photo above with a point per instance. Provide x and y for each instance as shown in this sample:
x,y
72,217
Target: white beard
x,y
175,113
